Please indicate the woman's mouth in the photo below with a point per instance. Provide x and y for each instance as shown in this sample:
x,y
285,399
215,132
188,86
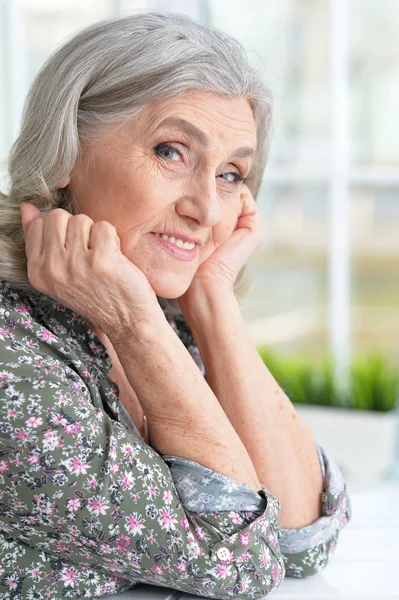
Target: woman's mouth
x,y
176,247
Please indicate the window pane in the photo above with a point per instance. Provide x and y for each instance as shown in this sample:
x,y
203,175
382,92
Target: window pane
x,y
286,306
375,282
374,82
289,40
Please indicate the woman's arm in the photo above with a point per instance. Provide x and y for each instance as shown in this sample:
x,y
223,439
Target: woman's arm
x,y
184,416
281,446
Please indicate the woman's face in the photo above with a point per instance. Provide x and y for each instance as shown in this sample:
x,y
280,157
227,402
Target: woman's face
x,y
173,170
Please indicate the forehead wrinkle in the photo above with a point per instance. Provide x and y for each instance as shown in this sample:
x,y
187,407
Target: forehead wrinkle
x,y
190,128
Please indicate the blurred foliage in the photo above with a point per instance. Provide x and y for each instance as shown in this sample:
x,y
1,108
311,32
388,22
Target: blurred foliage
x,y
373,385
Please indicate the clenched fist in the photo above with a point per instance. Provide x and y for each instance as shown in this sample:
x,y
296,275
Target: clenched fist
x,y
79,263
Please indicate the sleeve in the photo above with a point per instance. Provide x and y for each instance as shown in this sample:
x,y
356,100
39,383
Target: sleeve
x,y
77,486
305,550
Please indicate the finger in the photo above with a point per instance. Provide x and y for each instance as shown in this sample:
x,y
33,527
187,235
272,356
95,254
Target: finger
x,y
104,234
249,206
29,213
78,233
34,239
55,232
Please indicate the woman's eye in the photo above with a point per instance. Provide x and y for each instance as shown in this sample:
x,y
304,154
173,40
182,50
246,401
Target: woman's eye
x,y
168,151
233,177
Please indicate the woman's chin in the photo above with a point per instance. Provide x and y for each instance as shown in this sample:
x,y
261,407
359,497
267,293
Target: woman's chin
x,y
169,287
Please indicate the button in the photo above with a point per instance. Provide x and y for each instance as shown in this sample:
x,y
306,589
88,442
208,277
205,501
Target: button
x,y
223,554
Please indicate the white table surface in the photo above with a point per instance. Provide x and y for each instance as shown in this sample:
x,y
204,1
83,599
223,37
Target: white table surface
x,y
364,566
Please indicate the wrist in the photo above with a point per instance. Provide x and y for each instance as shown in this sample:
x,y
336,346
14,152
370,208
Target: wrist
x,y
142,330
206,305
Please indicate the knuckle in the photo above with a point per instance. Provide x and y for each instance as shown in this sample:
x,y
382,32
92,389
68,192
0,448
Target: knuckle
x,y
106,225
82,218
56,212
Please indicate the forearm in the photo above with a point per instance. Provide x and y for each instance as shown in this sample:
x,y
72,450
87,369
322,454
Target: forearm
x,y
281,446
184,416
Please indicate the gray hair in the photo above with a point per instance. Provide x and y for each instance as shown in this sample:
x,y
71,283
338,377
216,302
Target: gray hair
x,y
104,74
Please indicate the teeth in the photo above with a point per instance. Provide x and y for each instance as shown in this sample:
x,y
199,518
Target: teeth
x,y
176,241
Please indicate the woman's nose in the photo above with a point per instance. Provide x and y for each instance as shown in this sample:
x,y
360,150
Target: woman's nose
x,y
200,201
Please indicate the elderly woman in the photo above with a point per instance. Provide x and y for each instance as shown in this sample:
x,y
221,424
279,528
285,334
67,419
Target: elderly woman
x,y
141,150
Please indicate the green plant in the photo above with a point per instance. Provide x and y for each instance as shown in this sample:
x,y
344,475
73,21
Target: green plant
x,y
373,384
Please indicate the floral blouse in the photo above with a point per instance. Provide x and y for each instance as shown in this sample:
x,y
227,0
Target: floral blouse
x,y
88,509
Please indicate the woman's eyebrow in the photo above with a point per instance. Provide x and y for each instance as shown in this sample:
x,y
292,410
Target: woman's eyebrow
x,y
202,137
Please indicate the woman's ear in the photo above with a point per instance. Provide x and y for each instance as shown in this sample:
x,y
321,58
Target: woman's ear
x,y
64,182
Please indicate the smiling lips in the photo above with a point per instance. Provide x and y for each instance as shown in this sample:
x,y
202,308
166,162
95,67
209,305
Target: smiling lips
x,y
177,241
177,247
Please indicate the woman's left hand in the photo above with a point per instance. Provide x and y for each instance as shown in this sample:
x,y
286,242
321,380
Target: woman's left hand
x,y
224,264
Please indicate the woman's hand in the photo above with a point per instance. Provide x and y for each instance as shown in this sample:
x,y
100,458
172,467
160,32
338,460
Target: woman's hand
x,y
222,267
79,263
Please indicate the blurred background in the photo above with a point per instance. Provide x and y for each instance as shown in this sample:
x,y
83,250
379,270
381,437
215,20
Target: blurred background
x,y
325,284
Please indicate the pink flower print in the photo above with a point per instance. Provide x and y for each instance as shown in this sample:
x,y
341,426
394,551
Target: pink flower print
x,y
152,491
35,573
58,419
12,413
265,525
69,577
127,449
245,556
182,567
34,422
184,523
223,571
115,468
244,584
27,324
127,480
265,559
276,571
157,569
272,540
73,504
48,336
199,533
167,520
235,517
3,465
93,483
23,308
134,526
78,467
98,506
63,400
51,440
167,497
23,436
123,543
245,538
12,581
72,428
33,459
